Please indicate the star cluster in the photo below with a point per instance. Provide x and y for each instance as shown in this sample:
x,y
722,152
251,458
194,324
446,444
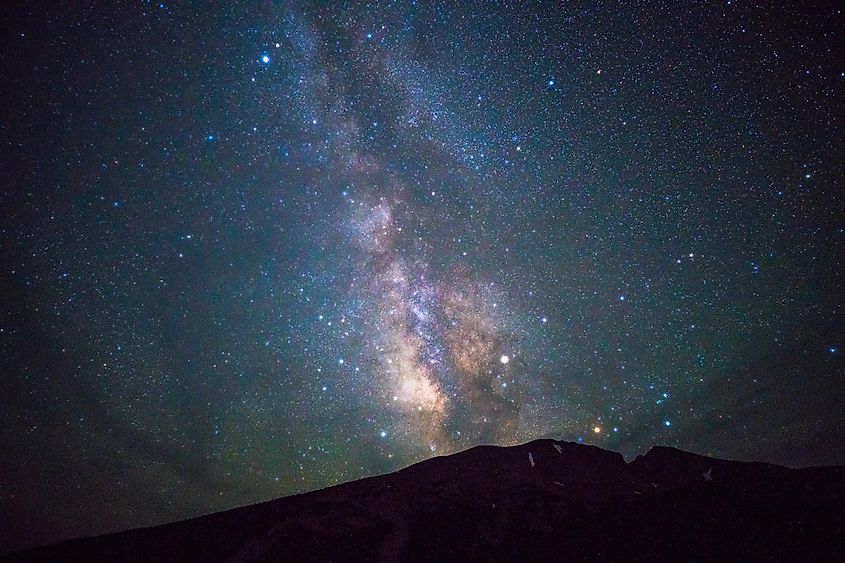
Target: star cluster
x,y
257,249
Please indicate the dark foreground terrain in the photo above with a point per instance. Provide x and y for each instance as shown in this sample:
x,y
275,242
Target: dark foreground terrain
x,y
541,501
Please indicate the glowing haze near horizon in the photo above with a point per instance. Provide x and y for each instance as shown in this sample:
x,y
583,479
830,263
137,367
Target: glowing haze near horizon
x,y
250,251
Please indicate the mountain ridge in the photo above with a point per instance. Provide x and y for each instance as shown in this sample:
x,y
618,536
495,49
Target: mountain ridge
x,y
546,499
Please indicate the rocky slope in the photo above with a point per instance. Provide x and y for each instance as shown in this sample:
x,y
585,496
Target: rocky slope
x,y
541,501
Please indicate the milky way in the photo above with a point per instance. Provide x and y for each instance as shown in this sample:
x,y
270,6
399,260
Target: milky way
x,y
433,338
251,250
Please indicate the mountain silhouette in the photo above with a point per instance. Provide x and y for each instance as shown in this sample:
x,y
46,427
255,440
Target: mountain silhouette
x,y
541,501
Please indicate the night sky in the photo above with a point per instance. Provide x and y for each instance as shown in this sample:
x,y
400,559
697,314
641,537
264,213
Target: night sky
x,y
258,249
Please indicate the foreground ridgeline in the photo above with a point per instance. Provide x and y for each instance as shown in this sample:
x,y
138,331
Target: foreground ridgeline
x,y
541,501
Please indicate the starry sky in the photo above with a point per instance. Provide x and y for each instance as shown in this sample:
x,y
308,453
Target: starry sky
x,y
254,249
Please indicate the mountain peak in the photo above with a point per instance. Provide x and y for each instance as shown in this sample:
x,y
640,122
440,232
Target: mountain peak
x,y
546,499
